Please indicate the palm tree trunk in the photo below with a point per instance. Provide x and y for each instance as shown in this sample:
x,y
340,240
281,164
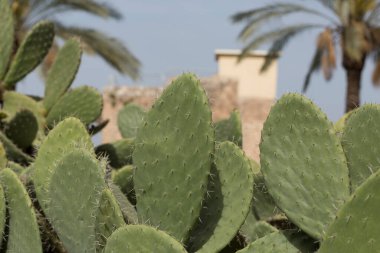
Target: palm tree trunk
x,y
354,70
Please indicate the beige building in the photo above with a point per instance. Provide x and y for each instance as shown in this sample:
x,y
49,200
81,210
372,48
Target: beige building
x,y
237,85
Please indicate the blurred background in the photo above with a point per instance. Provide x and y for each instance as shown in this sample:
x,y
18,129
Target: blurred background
x,y
175,36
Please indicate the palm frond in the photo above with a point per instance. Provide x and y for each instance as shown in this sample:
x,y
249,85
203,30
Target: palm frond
x,y
374,17
45,9
326,45
330,4
275,35
110,49
314,66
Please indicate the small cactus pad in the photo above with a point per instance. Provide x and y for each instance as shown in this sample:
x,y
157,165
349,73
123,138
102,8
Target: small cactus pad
x,y
263,204
119,153
129,119
13,152
3,157
356,228
22,129
31,52
259,230
6,35
172,154
75,190
226,211
274,242
15,102
142,239
66,135
128,210
63,72
303,164
230,129
84,103
108,219
360,141
23,235
124,179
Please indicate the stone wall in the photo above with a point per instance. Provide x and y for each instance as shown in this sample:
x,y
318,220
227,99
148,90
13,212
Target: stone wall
x,y
222,93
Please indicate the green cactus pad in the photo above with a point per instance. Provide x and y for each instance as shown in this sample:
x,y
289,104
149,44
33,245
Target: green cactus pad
x,y
74,194
264,206
129,119
124,179
229,203
61,139
360,141
339,125
356,228
119,153
257,231
23,235
15,167
108,219
3,157
63,72
13,152
303,164
230,129
15,102
128,210
31,52
22,129
274,242
2,213
6,35
84,103
172,154
142,239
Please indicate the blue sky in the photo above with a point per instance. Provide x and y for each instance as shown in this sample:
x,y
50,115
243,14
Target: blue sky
x,y
174,36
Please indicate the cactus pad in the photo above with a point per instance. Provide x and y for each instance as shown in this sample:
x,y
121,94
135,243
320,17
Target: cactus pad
x,y
128,210
2,213
230,129
360,141
119,153
129,119
142,239
274,242
84,103
124,179
108,219
66,135
31,52
356,227
13,152
23,229
63,72
303,164
74,194
230,200
173,156
22,129
6,35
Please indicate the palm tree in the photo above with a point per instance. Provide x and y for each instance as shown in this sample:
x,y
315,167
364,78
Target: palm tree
x,y
28,12
351,27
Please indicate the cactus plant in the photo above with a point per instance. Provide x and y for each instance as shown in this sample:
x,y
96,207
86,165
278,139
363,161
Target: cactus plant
x,y
129,119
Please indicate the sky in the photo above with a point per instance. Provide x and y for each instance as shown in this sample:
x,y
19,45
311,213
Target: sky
x,y
174,36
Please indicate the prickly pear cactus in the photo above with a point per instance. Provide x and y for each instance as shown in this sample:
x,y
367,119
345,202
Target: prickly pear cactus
x,y
355,229
172,155
230,129
142,239
6,35
62,73
74,195
303,164
68,134
129,120
274,242
31,52
229,203
23,229
360,141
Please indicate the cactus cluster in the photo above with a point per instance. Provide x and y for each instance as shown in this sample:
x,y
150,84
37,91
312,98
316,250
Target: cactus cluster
x,y
176,181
